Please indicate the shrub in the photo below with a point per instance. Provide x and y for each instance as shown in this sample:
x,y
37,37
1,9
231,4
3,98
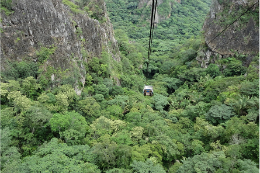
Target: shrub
x,y
219,85
250,88
234,68
6,6
98,97
195,111
21,69
219,114
117,90
147,166
73,7
192,75
101,89
160,101
213,70
115,111
44,53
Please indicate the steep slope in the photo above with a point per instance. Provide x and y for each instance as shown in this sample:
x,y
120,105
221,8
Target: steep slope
x,y
225,36
198,120
58,36
176,20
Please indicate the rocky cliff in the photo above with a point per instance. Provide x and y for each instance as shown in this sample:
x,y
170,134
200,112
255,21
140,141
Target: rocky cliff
x,y
232,27
68,35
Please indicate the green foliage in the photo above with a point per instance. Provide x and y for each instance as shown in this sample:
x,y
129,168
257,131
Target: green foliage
x,y
35,119
172,83
160,101
21,69
234,68
207,131
19,101
252,115
94,9
192,75
213,70
9,154
60,122
187,126
30,87
73,7
6,6
146,167
17,39
89,108
89,79
228,15
134,117
109,154
6,88
58,157
101,89
197,147
44,53
250,88
123,138
213,88
98,97
117,170
133,81
175,167
192,112
177,21
240,126
116,90
219,114
97,66
115,110
122,101
26,69
215,162
71,126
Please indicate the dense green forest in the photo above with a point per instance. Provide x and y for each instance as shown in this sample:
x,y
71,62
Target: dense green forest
x,y
199,119
177,21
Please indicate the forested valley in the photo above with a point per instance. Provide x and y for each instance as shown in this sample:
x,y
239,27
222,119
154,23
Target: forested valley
x,y
201,118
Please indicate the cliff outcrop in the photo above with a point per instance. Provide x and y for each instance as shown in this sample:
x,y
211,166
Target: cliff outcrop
x,y
232,27
59,25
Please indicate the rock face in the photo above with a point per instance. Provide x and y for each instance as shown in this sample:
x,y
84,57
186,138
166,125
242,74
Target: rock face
x,y
241,37
51,23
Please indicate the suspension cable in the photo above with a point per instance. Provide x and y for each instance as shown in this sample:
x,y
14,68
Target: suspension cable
x,y
232,22
153,15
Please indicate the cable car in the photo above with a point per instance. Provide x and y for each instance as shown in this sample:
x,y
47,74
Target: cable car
x,y
148,90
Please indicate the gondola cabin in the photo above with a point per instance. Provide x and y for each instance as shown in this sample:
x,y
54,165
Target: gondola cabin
x,y
148,90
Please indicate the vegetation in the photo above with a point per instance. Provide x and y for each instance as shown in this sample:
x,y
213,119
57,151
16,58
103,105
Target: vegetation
x,y
6,6
199,120
177,22
228,15
94,8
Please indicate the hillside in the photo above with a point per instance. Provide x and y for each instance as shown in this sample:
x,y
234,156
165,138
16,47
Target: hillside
x,y
72,89
176,21
56,39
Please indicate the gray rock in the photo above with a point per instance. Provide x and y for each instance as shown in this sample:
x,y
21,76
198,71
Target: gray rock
x,y
36,24
243,39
